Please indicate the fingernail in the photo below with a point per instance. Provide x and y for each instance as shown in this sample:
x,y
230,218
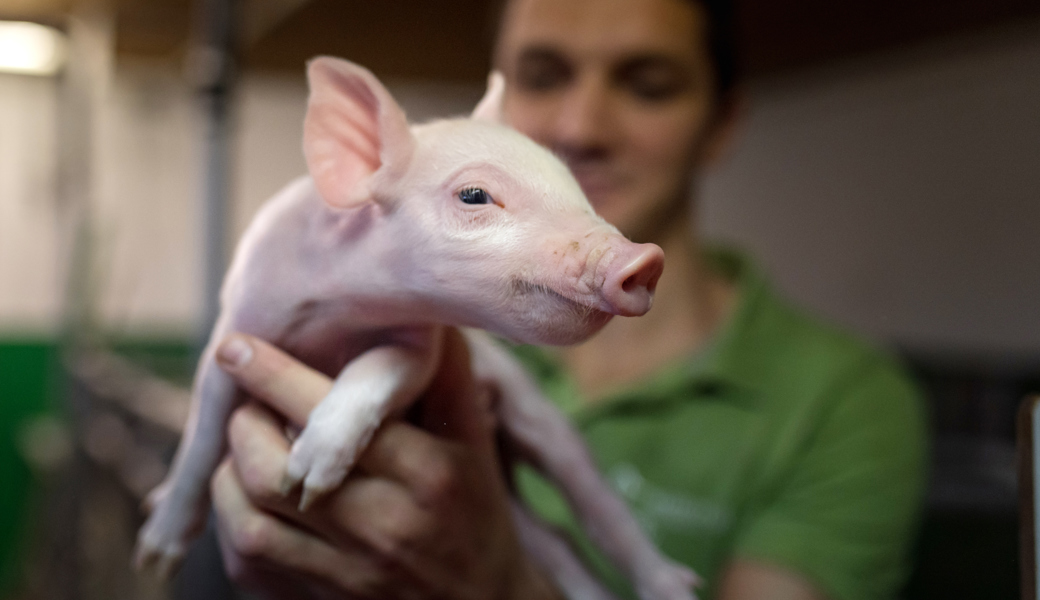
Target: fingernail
x,y
235,353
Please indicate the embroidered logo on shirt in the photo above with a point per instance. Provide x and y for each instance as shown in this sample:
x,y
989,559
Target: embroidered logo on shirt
x,y
658,508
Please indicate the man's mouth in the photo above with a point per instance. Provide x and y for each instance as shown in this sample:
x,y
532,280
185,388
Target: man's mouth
x,y
595,178
597,184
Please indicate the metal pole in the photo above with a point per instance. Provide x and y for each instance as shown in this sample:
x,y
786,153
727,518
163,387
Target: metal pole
x,y
212,70
212,67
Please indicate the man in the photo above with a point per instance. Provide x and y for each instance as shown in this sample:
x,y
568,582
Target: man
x,y
777,458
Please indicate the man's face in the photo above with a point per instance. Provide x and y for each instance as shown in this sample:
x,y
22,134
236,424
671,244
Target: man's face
x,y
622,90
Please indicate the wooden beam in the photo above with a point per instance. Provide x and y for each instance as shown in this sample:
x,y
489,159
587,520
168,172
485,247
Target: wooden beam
x,y
779,35
33,10
451,39
427,39
259,17
46,12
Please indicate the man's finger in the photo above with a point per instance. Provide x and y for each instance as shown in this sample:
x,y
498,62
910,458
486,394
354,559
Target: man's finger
x,y
424,464
400,459
381,515
454,406
260,453
257,538
287,385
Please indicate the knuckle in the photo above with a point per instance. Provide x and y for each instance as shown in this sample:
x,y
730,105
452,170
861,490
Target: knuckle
x,y
390,550
260,478
236,570
261,483
242,423
438,480
398,530
252,537
403,525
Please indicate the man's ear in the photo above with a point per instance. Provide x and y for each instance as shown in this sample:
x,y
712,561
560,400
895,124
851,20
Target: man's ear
x,y
725,127
353,129
490,106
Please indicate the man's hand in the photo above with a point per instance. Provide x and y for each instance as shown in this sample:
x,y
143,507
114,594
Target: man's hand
x,y
750,580
424,514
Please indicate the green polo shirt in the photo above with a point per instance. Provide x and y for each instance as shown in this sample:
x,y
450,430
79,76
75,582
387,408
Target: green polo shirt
x,y
785,442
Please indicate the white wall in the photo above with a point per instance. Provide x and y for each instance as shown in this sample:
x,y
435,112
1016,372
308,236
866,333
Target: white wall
x,y
898,195
147,218
146,195
28,245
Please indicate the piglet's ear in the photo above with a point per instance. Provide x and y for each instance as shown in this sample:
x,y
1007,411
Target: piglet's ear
x,y
353,130
490,106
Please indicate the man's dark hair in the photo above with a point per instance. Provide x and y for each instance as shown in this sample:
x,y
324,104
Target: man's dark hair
x,y
722,40
722,44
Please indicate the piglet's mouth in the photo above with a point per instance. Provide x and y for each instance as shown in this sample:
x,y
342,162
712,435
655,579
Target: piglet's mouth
x,y
553,319
521,287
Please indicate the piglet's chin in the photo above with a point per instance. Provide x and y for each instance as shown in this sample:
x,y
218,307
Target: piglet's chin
x,y
561,330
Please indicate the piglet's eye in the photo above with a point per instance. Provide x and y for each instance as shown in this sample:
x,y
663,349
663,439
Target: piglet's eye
x,y
475,195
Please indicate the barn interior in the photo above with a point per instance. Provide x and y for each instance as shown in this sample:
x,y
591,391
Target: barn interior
x,y
886,178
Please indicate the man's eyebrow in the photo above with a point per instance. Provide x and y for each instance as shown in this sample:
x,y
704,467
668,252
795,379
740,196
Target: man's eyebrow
x,y
623,62
651,60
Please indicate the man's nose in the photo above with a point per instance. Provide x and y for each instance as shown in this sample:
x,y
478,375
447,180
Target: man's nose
x,y
584,122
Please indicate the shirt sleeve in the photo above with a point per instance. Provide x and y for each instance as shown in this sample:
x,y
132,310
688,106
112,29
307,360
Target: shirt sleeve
x,y
844,513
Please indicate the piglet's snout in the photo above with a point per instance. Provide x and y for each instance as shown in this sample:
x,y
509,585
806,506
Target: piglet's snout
x,y
629,285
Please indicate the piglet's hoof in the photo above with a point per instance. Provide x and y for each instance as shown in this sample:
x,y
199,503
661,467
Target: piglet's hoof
x,y
163,541
322,456
156,556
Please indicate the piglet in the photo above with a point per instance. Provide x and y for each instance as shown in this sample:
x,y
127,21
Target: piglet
x,y
356,270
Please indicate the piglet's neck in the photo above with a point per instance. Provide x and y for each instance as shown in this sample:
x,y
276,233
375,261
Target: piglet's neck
x,y
373,265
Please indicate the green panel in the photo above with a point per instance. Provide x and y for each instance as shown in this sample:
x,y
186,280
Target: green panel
x,y
28,387
171,358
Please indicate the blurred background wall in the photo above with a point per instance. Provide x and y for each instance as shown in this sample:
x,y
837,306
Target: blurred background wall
x,y
147,190
887,177
899,194
895,193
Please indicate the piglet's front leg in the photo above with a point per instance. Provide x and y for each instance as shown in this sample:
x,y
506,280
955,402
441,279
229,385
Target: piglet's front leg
x,y
381,381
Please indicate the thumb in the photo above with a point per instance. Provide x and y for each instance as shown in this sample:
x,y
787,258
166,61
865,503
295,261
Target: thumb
x,y
456,406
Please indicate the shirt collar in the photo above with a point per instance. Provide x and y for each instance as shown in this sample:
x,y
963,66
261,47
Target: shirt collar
x,y
730,356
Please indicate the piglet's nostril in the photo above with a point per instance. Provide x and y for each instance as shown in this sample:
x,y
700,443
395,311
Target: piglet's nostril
x,y
645,278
